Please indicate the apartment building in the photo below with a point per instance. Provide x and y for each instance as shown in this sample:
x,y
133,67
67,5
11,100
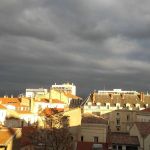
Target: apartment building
x,y
105,102
121,120
92,133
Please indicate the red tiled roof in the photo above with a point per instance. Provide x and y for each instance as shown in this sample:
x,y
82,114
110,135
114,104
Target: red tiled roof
x,y
44,100
125,139
146,110
89,145
2,107
69,95
57,101
144,128
10,101
50,111
117,98
89,118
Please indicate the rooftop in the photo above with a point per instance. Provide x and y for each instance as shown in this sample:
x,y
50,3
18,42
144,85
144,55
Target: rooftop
x,y
144,128
123,99
124,139
93,119
146,110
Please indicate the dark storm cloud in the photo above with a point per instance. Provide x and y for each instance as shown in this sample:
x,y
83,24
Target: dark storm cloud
x,y
94,44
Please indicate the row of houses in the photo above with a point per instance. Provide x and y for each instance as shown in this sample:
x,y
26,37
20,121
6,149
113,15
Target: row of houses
x,y
96,124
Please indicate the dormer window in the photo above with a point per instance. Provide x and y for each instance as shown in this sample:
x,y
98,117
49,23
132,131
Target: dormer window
x,y
107,105
138,106
98,105
117,105
128,106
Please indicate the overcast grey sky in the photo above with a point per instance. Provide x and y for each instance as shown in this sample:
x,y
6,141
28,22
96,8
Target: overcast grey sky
x,y
95,44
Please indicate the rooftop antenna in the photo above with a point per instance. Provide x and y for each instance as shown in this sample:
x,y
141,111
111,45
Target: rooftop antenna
x,y
147,93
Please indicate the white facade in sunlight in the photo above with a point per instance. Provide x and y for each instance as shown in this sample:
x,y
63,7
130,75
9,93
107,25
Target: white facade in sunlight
x,y
116,91
66,87
33,92
2,116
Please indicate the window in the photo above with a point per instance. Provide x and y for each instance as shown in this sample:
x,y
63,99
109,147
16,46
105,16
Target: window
x,y
118,121
119,147
128,117
81,138
118,114
95,139
117,106
107,106
118,128
71,138
114,147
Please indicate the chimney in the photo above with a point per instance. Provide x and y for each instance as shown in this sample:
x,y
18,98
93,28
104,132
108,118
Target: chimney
x,y
122,95
93,97
142,96
111,95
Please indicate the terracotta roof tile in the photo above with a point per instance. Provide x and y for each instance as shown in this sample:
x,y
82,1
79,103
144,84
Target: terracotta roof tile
x,y
2,107
50,111
69,95
124,139
117,98
144,128
89,118
10,101
44,100
146,110
57,101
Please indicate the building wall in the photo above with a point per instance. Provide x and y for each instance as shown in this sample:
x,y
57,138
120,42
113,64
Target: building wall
x,y
134,132
147,143
33,92
25,101
74,121
121,120
66,87
2,116
13,123
89,131
55,94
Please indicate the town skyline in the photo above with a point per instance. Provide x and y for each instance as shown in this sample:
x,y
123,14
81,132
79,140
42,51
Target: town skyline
x,y
94,44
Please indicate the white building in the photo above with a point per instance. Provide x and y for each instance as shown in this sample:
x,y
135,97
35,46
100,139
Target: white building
x,y
66,87
33,92
116,91
2,114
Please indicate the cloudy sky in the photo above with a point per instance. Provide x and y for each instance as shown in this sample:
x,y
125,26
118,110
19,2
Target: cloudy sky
x,y
95,44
